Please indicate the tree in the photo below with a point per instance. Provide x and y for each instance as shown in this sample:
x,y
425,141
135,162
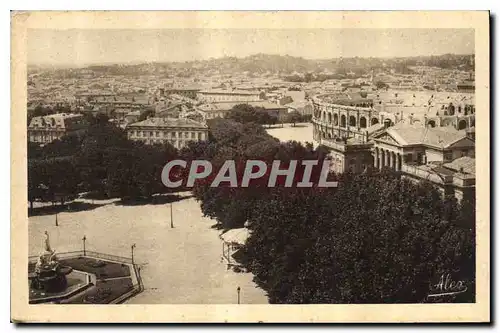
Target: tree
x,y
52,180
67,145
135,173
95,154
293,117
374,239
145,115
381,85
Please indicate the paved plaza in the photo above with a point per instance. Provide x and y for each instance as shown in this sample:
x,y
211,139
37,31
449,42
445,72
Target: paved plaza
x,y
178,266
302,132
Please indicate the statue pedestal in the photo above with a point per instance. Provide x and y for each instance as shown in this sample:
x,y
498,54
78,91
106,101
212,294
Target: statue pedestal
x,y
50,277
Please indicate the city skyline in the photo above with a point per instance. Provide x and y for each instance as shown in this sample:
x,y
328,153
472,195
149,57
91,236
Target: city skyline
x,y
86,47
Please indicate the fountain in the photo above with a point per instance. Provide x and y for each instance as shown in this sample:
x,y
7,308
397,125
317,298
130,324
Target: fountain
x,y
49,274
75,278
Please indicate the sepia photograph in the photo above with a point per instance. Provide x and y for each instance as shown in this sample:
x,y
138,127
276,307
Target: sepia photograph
x,y
228,165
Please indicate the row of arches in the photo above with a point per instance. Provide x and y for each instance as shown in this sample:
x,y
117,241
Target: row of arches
x,y
344,121
461,125
449,110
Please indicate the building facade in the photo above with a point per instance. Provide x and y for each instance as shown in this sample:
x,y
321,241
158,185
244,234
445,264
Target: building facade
x,y
220,95
455,179
191,93
349,156
176,131
407,145
45,129
221,109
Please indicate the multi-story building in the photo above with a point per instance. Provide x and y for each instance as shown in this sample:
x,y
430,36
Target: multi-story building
x,y
176,131
221,109
454,179
45,129
188,92
401,145
221,95
352,155
442,155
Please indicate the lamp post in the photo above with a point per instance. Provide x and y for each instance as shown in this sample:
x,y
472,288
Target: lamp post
x,y
238,290
132,248
57,223
171,217
84,239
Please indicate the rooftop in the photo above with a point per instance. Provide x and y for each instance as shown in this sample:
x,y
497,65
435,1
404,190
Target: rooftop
x,y
229,105
463,164
169,123
438,136
229,92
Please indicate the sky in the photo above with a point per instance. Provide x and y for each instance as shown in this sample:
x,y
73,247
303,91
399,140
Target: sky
x,y
83,47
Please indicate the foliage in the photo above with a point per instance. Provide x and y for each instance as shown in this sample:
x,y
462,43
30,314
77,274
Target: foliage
x,y
104,161
374,239
381,85
244,113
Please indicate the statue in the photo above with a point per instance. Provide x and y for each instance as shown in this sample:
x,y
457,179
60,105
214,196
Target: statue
x,y
47,242
49,274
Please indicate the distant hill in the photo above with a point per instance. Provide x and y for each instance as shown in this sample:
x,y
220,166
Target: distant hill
x,y
285,65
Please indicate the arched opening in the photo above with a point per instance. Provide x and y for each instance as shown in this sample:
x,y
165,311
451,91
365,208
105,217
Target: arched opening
x,y
362,122
462,124
374,121
388,122
459,109
342,121
431,123
323,116
451,109
329,135
472,122
329,118
335,119
352,121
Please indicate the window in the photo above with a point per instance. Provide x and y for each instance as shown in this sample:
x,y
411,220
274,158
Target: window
x,y
199,136
186,135
448,156
420,158
464,152
174,134
157,133
193,135
150,133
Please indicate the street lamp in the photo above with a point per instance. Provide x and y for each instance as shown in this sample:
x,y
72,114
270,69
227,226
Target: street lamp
x,y
84,239
238,290
132,248
171,217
